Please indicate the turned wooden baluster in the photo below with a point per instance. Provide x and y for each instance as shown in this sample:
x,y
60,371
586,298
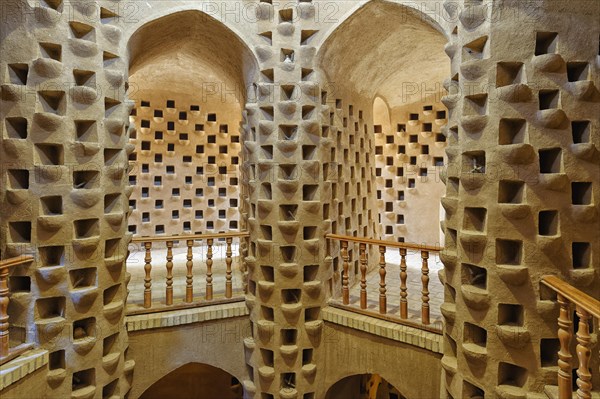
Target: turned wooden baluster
x,y
584,380
403,288
189,278
382,289
228,261
345,282
565,325
363,275
147,278
4,312
169,291
425,291
209,263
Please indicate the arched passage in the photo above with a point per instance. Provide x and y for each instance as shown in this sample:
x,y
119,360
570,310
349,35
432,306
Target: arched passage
x,y
195,380
188,78
363,386
387,55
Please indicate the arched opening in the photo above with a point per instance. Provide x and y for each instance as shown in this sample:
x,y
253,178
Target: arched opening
x,y
188,78
195,380
363,386
386,66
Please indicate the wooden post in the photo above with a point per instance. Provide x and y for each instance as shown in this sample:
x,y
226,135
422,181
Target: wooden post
x,y
565,325
584,380
382,289
4,332
228,261
147,278
169,291
363,275
345,280
403,288
425,291
209,263
189,278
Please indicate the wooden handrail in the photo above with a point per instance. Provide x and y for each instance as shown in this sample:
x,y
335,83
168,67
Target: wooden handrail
x,y
363,259
586,307
591,305
189,241
394,244
190,237
18,260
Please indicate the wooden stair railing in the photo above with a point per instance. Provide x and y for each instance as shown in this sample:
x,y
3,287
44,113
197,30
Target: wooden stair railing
x,y
586,308
6,352
363,245
189,289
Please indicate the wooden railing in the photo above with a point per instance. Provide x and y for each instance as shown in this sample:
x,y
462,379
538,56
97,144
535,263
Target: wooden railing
x,y
363,245
190,240
586,308
6,352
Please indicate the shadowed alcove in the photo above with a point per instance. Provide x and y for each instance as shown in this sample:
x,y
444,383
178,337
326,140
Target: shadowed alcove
x,y
195,380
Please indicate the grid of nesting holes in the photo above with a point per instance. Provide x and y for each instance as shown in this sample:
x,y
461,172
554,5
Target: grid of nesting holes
x,y
408,157
185,171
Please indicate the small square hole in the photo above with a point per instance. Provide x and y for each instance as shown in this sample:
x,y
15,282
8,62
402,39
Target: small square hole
x,y
580,131
509,73
83,379
577,71
508,252
512,131
581,255
19,232
550,160
548,223
16,128
473,334
18,284
86,228
52,205
50,154
474,275
581,193
510,192
509,314
290,296
474,162
474,219
512,375
549,99
549,348
288,336
17,73
18,179
56,360
545,43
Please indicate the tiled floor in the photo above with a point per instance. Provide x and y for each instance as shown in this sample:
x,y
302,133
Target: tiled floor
x,y
135,266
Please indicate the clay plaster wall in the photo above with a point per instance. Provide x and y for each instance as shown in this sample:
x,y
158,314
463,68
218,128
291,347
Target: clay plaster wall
x,y
63,112
186,169
522,190
410,158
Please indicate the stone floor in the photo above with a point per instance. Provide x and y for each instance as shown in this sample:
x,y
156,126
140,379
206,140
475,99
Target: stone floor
x,y
135,266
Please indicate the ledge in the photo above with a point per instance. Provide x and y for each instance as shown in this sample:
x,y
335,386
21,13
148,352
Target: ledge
x,y
20,367
386,329
185,316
